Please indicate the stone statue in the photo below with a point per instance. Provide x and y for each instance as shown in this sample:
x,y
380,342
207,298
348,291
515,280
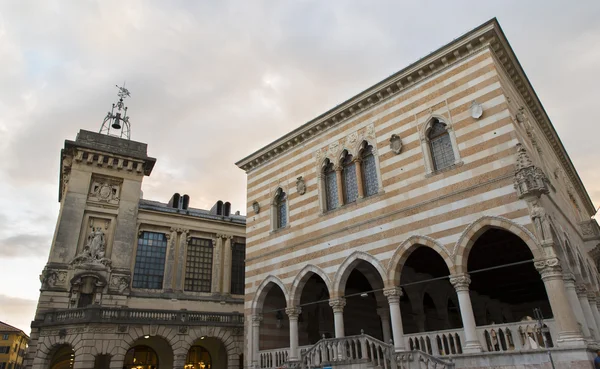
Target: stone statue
x,y
94,250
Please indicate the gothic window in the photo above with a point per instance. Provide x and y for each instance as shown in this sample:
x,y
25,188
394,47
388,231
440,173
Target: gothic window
x,y
369,170
149,266
442,153
198,266
280,209
330,182
349,178
238,265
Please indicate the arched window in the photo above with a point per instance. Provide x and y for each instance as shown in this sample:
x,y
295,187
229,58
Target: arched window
x,y
140,357
331,189
442,153
369,170
280,209
349,178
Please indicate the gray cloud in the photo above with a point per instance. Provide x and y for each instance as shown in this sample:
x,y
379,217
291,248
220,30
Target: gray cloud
x,y
17,312
25,245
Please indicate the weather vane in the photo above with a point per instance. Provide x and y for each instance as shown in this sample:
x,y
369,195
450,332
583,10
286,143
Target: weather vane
x,y
118,121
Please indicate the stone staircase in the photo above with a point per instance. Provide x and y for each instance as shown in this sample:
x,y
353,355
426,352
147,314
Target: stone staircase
x,y
364,352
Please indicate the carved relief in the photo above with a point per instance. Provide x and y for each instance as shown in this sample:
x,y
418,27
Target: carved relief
x,y
106,190
256,207
119,283
66,173
520,116
300,185
395,144
95,248
476,110
529,179
51,278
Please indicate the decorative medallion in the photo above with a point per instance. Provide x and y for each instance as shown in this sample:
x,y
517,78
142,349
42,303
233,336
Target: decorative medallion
x,y
106,190
300,185
476,110
256,207
396,144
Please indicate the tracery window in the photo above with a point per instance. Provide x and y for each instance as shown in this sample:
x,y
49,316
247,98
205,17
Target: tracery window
x,y
442,153
149,266
198,265
331,189
238,266
280,209
349,178
369,170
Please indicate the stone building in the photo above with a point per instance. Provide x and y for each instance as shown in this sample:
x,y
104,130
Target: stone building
x,y
13,343
435,211
134,283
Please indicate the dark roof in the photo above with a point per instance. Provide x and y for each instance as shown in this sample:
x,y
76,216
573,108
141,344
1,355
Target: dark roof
x,y
4,328
200,213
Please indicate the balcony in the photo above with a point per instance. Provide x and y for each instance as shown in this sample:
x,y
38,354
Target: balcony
x,y
99,314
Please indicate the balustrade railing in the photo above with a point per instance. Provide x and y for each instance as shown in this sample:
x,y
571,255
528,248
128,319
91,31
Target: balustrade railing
x,y
524,335
275,358
438,343
99,314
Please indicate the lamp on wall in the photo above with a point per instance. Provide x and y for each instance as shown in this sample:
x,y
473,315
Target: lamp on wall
x,y
279,317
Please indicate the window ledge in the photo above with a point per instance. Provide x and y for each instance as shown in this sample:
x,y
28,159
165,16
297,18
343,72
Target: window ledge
x,y
447,169
279,230
352,204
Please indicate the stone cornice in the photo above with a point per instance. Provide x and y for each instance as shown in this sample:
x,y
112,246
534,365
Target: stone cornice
x,y
488,35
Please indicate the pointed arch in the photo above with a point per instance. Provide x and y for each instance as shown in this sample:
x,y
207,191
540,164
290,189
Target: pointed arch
x,y
467,239
348,266
301,279
264,288
406,248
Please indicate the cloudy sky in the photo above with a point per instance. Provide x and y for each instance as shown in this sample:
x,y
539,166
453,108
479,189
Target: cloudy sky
x,y
213,81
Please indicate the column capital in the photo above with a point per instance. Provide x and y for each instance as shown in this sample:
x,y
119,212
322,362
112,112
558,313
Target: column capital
x,y
569,277
293,312
591,297
337,304
256,319
460,282
549,268
393,294
581,290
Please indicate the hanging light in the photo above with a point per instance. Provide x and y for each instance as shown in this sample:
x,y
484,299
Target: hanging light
x,y
279,317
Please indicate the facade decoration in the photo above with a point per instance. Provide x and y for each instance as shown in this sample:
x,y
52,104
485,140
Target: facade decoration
x,y
396,144
94,249
521,115
476,110
256,207
300,186
119,282
530,181
51,278
106,190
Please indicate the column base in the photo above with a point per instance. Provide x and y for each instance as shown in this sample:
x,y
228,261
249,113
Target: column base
x,y
472,348
570,339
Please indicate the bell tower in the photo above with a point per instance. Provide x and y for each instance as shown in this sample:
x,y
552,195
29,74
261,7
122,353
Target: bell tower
x,y
90,258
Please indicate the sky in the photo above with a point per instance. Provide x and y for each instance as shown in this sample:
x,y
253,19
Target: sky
x,y
212,82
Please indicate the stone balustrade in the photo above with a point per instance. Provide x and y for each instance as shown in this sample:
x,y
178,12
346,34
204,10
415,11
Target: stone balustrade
x,y
100,314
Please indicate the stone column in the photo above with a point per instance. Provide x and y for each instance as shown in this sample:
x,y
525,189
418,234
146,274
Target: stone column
x,y
393,295
461,285
569,333
595,313
256,319
216,271
569,280
227,265
359,178
587,310
340,186
184,240
293,314
384,315
170,259
179,361
338,315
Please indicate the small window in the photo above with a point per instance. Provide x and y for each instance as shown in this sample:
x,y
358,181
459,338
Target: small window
x,y
442,153
5,336
238,266
198,267
331,190
369,171
349,177
149,266
280,209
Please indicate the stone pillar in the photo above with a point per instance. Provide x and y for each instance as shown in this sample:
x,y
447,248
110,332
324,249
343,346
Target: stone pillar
x,y
338,315
340,186
227,265
179,361
293,314
384,315
587,310
359,178
393,295
216,271
569,333
184,240
595,313
461,285
256,319
170,259
569,280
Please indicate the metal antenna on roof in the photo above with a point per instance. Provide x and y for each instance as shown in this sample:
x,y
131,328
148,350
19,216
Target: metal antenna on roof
x,y
118,121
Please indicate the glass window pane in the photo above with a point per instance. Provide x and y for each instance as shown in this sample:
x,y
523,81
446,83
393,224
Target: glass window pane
x,y
150,261
198,267
441,152
369,170
350,184
238,266
331,190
